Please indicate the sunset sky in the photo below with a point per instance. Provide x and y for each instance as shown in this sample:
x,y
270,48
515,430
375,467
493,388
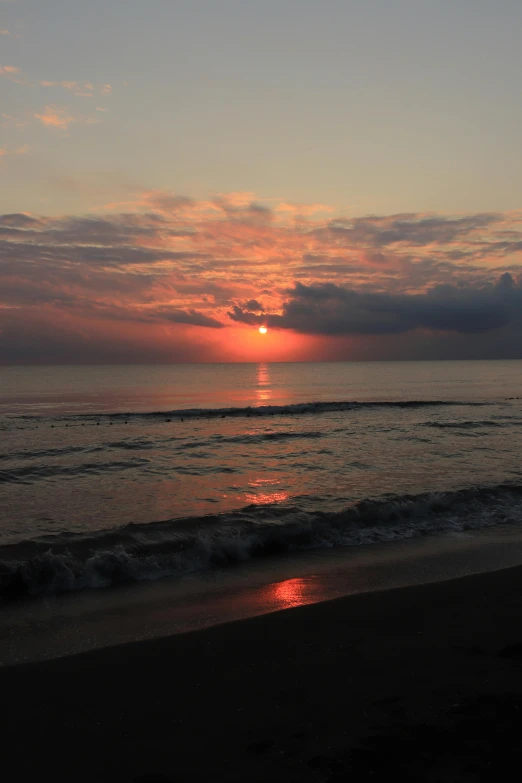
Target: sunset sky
x,y
176,173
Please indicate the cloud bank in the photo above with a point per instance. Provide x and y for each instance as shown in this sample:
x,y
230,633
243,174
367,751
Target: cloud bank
x,y
329,309
164,277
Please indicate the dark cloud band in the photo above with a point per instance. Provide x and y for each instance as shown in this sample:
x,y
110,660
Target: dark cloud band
x,y
329,309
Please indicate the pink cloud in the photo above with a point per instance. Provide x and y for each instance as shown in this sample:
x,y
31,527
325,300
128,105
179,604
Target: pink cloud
x,y
80,89
8,70
55,117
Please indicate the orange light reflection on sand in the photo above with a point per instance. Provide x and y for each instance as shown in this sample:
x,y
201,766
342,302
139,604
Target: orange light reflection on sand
x,y
287,594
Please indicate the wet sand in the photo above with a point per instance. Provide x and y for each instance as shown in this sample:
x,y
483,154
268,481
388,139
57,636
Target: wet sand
x,y
423,682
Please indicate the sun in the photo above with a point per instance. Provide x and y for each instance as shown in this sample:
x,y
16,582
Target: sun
x,y
263,330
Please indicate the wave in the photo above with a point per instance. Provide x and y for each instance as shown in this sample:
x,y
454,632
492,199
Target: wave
x,y
252,438
133,553
135,444
32,473
261,410
142,444
467,425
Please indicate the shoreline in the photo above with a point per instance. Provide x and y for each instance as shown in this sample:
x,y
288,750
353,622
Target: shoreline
x,y
422,681
59,626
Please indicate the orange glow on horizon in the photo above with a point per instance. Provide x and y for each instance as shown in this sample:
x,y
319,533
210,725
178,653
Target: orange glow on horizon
x,y
247,344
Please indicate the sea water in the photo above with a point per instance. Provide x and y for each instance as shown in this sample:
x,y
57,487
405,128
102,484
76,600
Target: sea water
x,y
113,475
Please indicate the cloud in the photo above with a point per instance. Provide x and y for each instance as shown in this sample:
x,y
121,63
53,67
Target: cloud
x,y
60,118
329,309
39,338
415,230
8,121
55,117
83,89
22,150
169,264
4,32
52,115
80,89
20,219
188,317
253,305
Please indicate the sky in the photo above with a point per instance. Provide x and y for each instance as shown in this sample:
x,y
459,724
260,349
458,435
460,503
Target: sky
x,y
177,173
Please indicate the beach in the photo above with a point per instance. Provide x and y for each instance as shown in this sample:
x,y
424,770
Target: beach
x,y
421,682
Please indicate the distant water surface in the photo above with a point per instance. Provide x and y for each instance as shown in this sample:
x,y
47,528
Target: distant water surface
x,y
69,390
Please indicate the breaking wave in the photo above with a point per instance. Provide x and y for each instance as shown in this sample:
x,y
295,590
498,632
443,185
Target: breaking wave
x,y
133,553
263,410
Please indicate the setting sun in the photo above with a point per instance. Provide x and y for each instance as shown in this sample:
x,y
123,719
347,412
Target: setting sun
x,y
263,330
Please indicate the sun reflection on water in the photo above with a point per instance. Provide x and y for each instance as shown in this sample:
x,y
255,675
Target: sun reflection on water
x,y
263,391
264,491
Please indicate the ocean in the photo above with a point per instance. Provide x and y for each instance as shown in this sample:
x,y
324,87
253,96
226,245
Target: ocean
x,y
118,476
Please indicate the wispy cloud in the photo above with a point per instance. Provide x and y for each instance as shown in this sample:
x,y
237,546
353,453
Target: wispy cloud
x,y
80,89
9,121
22,150
3,31
55,117
13,74
59,118
83,89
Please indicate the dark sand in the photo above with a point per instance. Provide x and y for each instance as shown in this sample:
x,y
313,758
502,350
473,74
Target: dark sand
x,y
417,683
